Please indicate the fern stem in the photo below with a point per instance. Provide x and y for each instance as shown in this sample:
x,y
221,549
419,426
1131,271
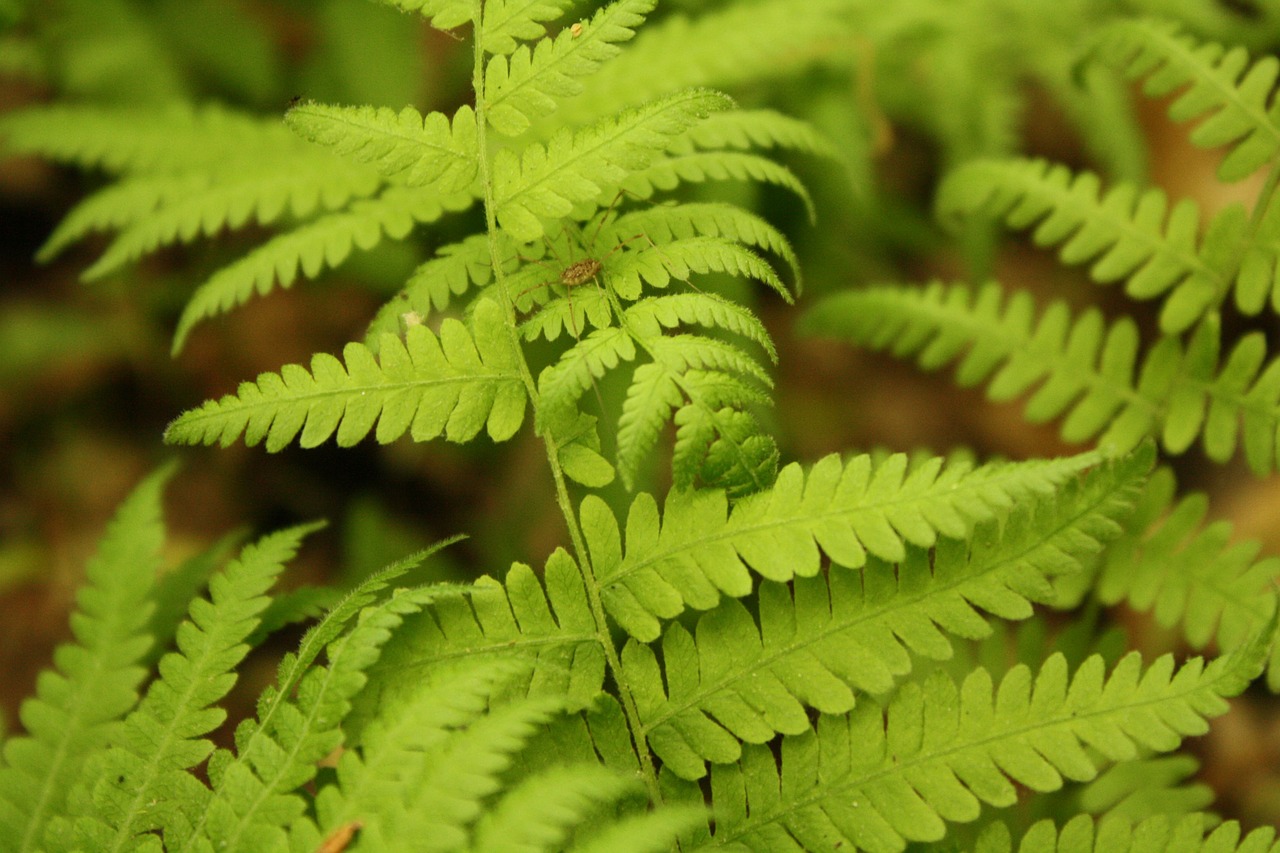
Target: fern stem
x,y
581,556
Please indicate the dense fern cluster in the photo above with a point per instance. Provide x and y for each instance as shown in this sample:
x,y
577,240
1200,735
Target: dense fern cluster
x,y
760,656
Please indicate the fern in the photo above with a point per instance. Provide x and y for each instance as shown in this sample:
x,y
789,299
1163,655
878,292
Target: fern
x,y
1082,368
454,385
141,783
1234,96
1155,834
883,776
1190,574
77,708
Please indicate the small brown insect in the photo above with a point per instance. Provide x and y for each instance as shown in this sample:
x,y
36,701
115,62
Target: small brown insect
x,y
294,101
340,837
580,272
576,29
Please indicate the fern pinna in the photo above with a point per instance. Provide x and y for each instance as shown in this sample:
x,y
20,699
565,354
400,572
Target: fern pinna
x,y
769,657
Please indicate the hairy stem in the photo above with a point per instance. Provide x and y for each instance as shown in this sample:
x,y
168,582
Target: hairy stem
x,y
576,537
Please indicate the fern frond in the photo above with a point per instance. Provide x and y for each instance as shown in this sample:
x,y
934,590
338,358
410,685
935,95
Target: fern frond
x,y
509,21
255,791
533,81
832,635
457,384
260,191
423,768
580,166
733,44
1155,835
673,310
1190,574
664,224
443,14
878,778
78,705
748,130
1083,369
703,550
151,140
455,268
142,783
309,249
696,167
407,147
1234,96
680,258
1136,790
561,385
552,629
1125,234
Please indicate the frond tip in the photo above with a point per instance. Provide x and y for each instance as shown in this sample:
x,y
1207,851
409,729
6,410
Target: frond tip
x,y
455,385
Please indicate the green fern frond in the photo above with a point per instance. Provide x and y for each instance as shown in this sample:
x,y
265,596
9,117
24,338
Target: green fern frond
x,y
309,249
552,629
454,269
733,44
1234,96
563,384
142,783
443,14
256,789
834,634
1123,233
700,550
761,129
432,151
937,752
531,83
424,768
1135,790
680,258
576,167
138,139
262,192
663,224
455,384
694,167
1082,368
78,706
509,21
673,310
1155,835
1191,574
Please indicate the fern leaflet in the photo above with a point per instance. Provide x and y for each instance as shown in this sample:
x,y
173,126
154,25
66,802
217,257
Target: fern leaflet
x,y
509,21
1081,367
878,778
844,631
531,82
443,14
700,550
77,708
1190,574
142,783
430,152
455,384
1154,835
1235,98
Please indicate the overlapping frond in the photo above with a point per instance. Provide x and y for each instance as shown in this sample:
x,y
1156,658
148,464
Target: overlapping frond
x,y
1188,834
1079,367
456,384
532,82
414,150
579,166
842,632
699,550
309,249
142,783
255,790
1124,233
1191,574
881,777
551,629
78,705
688,166
1235,97
1161,785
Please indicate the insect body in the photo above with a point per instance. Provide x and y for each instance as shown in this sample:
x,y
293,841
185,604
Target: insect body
x,y
580,272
